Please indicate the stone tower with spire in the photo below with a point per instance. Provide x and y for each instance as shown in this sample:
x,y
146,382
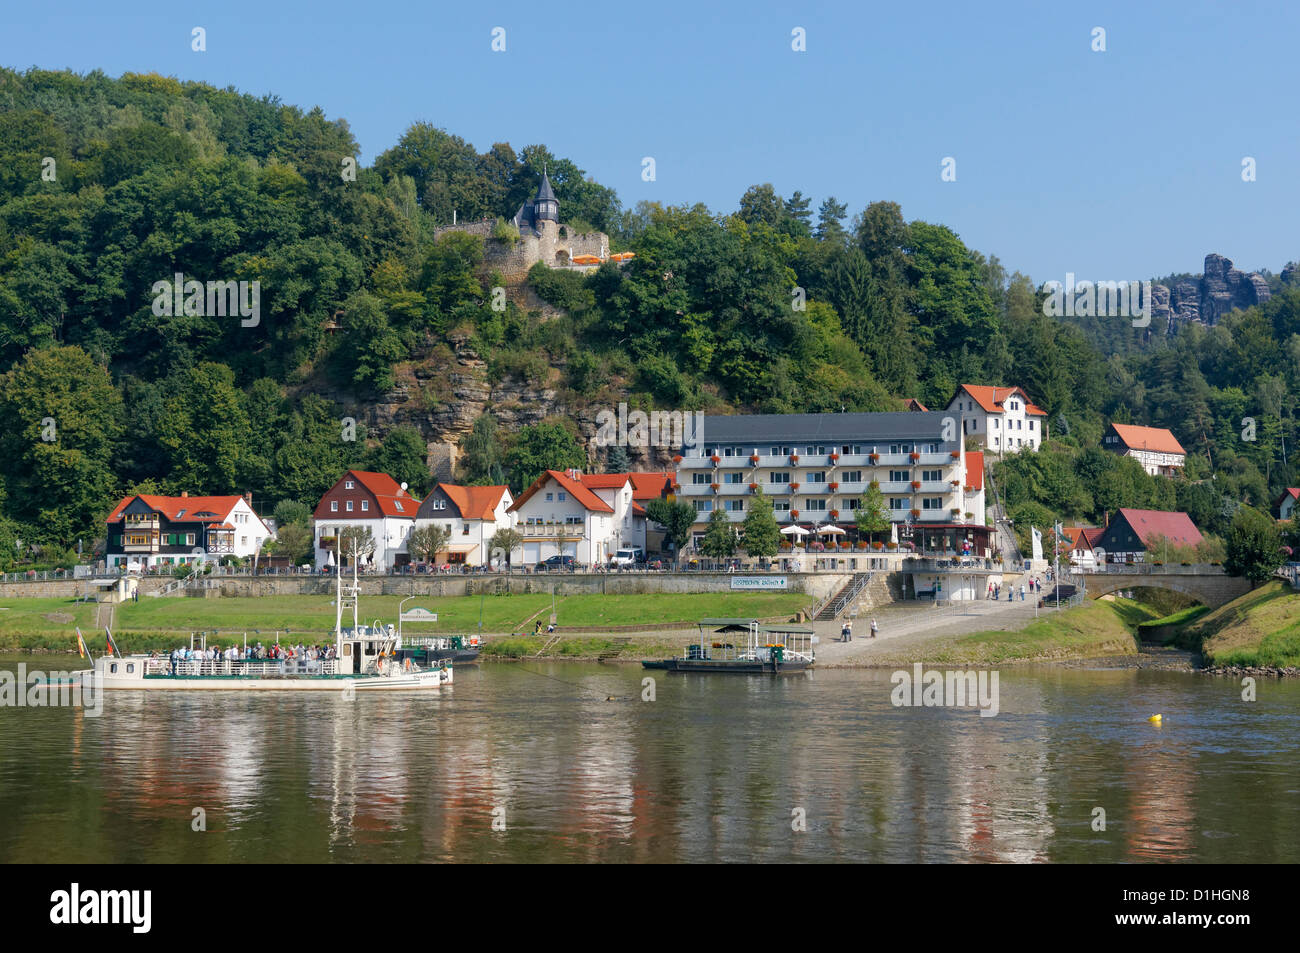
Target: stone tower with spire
x,y
541,238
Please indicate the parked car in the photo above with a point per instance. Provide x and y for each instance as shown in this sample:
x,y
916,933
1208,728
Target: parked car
x,y
558,563
628,557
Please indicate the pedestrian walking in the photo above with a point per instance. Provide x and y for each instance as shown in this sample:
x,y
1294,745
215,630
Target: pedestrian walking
x,y
1022,592
844,632
874,628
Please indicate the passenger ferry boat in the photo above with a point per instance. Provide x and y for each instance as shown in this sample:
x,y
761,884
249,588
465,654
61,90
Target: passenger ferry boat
x,y
366,659
745,647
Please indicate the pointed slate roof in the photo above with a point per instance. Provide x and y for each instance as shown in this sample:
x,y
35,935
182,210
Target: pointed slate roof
x,y
544,191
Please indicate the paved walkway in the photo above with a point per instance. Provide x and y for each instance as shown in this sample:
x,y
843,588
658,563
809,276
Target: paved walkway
x,y
903,625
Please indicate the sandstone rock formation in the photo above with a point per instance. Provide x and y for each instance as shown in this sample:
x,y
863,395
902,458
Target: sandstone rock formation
x,y
1220,289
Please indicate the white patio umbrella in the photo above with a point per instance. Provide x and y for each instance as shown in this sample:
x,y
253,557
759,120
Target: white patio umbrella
x,y
793,530
329,557
831,531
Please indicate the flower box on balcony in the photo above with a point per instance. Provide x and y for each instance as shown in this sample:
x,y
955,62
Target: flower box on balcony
x,y
785,545
878,545
754,459
835,514
969,489
915,513
753,488
794,486
714,487
834,457
833,485
873,457
956,483
677,459
716,459
956,454
892,545
845,547
794,514
863,544
915,456
794,458
916,484
955,511
970,515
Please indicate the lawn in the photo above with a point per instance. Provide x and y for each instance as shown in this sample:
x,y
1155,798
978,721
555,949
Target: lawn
x,y
155,623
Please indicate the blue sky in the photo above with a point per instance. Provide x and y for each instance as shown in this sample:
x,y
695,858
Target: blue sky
x,y
1117,165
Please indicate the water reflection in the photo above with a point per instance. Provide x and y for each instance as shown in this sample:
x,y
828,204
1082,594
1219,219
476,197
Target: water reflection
x,y
716,769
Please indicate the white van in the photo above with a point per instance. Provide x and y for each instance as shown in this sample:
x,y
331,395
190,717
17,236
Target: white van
x,y
628,556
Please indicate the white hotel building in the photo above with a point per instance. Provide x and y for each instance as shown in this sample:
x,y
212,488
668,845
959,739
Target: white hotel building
x,y
815,467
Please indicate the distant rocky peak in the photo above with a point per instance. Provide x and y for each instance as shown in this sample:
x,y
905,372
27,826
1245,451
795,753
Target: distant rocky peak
x,y
1220,289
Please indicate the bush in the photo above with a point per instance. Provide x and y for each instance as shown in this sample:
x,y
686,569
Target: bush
x,y
505,232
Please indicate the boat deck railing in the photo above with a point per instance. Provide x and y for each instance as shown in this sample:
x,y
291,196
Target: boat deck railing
x,y
253,668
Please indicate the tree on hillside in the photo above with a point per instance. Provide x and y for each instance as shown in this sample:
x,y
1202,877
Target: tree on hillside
x,y
1254,547
404,456
762,535
677,518
539,448
483,454
62,419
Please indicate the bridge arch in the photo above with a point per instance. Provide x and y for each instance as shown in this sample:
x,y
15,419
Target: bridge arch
x,y
1211,589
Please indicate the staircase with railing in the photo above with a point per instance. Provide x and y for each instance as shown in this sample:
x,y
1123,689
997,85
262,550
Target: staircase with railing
x,y
1006,536
834,606
176,585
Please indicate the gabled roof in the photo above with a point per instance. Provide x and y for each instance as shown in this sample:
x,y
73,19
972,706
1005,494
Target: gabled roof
x,y
474,502
1176,527
991,399
911,403
386,492
603,481
975,469
574,488
1291,491
1083,538
217,508
1154,439
544,191
645,486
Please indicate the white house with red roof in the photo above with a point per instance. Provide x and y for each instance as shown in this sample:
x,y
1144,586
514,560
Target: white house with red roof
x,y
1155,448
588,516
147,530
1001,419
1286,503
372,500
472,514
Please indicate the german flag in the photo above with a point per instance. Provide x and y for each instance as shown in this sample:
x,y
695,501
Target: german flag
x,y
112,646
81,645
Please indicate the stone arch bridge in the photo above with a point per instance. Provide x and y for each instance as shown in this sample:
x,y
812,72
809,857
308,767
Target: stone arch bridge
x,y
1209,585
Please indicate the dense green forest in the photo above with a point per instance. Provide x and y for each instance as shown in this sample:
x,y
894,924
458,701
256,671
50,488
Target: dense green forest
x,y
772,308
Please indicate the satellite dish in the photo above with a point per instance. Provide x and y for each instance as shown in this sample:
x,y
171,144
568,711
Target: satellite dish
x,y
403,487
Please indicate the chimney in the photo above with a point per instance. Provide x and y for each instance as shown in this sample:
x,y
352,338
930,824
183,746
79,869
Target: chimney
x,y
248,497
1105,519
184,493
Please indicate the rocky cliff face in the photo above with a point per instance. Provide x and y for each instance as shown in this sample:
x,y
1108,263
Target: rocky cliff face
x,y
1219,290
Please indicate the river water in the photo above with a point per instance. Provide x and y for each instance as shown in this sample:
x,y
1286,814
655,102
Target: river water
x,y
545,761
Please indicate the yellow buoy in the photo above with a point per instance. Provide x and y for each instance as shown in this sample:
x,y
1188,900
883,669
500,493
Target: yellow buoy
x,y
1156,719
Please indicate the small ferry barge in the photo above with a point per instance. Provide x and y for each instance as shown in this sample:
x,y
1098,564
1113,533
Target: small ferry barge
x,y
364,659
745,647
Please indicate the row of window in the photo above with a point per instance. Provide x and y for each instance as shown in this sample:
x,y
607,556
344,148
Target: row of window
x,y
843,449
818,505
782,477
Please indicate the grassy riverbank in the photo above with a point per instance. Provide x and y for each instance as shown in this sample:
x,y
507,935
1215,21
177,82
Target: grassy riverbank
x,y
1260,629
49,624
1093,630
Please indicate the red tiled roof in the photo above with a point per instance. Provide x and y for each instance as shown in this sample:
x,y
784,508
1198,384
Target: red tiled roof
x,y
1083,538
1154,439
911,403
603,481
387,493
474,502
975,469
1175,527
171,506
645,486
579,492
992,398
1291,491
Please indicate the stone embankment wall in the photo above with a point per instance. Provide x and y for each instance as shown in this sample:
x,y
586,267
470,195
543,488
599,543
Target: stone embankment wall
x,y
815,585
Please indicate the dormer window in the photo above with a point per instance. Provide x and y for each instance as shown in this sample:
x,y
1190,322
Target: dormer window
x,y
398,504
348,484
